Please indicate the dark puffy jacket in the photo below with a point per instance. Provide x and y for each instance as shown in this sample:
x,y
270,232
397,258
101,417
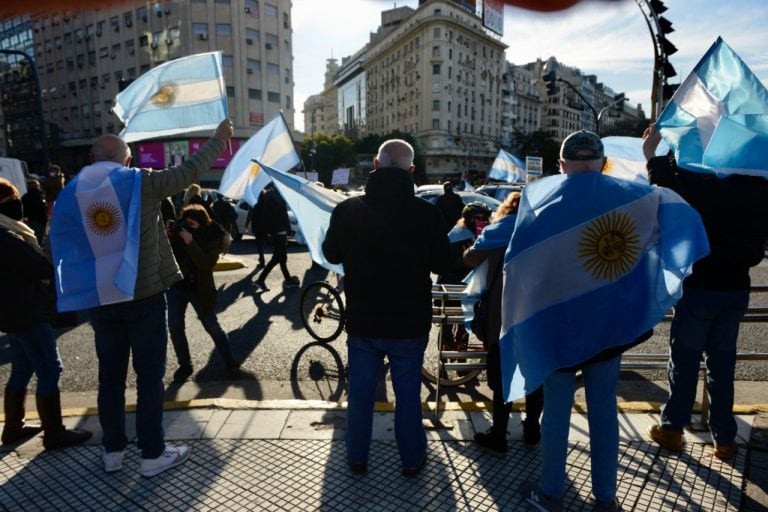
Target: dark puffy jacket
x,y
272,212
388,241
196,261
25,276
735,214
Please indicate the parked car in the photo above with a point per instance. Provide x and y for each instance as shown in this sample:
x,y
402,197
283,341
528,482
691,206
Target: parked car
x,y
466,197
499,191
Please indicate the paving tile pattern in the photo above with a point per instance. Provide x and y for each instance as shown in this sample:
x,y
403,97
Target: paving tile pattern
x,y
311,475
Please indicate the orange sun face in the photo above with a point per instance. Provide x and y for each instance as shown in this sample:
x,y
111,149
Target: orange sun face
x,y
103,219
165,96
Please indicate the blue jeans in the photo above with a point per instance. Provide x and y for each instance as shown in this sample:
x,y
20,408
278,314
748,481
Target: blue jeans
x,y
136,329
177,307
600,386
366,359
706,322
33,350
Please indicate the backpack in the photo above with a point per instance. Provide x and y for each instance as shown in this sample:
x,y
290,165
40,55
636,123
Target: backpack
x,y
479,324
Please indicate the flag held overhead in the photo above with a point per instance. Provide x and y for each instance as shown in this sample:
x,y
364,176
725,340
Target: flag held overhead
x,y
272,146
507,167
708,121
180,96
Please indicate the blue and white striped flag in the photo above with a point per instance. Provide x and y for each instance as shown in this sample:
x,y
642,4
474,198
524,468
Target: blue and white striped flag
x,y
507,167
626,159
95,231
715,120
179,96
273,146
594,261
312,206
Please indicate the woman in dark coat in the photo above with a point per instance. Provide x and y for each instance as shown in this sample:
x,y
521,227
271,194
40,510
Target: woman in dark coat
x,y
197,242
26,302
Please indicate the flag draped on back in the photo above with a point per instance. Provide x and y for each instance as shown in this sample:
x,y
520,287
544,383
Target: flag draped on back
x,y
626,159
272,146
594,262
312,206
179,96
95,231
508,168
715,121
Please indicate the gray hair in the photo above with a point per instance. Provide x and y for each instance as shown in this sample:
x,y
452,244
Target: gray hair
x,y
110,148
395,153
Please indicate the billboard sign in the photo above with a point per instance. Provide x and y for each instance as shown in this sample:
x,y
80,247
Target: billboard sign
x,y
493,16
534,167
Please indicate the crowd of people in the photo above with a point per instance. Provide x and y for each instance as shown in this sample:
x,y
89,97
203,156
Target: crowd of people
x,y
389,232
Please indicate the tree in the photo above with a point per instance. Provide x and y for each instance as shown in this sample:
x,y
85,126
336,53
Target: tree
x,y
538,143
329,153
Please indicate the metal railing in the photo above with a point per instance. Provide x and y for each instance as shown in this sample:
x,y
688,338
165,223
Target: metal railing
x,y
450,360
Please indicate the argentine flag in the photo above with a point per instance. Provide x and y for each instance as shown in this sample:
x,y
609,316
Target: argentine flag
x,y
179,96
716,120
594,261
626,159
312,206
273,146
507,167
94,235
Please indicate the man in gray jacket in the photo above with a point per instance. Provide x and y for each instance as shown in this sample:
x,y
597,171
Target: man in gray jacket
x,y
138,327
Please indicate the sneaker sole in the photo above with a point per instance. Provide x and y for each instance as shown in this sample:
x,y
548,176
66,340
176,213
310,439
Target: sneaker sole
x,y
157,471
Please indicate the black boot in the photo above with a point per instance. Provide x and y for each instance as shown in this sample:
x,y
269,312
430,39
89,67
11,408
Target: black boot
x,y
55,435
15,429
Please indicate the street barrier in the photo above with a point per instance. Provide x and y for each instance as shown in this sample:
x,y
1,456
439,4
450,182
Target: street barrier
x,y
471,359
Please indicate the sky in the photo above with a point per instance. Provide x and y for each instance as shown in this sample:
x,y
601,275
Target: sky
x,y
608,39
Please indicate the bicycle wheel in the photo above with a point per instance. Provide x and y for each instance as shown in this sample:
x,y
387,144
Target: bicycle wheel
x,y
454,377
322,311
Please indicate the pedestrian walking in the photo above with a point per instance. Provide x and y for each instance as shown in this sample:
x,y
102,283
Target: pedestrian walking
x,y
274,213
389,242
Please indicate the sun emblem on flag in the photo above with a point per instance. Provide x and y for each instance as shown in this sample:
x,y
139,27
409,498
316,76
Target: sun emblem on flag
x,y
608,167
609,246
255,169
165,96
103,218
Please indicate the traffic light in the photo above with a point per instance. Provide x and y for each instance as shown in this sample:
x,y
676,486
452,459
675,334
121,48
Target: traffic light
x,y
551,81
658,6
619,100
669,90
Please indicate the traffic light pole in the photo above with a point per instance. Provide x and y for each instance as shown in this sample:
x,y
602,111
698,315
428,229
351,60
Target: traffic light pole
x,y
587,103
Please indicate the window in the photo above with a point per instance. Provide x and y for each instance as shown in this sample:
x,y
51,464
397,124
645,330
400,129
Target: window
x,y
129,47
103,53
144,40
115,22
223,29
254,65
200,29
223,2
435,124
254,94
230,91
251,35
288,104
273,69
436,106
117,49
273,97
141,13
131,73
270,10
436,32
227,61
436,51
271,41
128,19
435,69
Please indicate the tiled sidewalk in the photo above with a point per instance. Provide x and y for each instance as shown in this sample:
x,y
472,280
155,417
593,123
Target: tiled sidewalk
x,y
294,459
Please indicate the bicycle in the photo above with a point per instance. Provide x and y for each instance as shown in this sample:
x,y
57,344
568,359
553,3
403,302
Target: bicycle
x,y
322,310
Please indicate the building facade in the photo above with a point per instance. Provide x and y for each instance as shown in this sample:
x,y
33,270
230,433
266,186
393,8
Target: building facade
x,y
320,110
84,58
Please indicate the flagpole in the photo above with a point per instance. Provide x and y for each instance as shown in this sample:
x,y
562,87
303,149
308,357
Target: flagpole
x,y
290,134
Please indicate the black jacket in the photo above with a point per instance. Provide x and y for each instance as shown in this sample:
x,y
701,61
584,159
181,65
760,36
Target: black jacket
x,y
26,297
197,260
735,214
272,212
389,241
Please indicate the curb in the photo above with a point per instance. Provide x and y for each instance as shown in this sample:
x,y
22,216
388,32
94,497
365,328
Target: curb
x,y
235,404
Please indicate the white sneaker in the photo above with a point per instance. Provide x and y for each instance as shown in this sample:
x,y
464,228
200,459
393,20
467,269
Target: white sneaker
x,y
113,461
173,456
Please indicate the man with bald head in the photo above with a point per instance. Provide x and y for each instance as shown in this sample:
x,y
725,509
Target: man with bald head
x,y
389,242
133,324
